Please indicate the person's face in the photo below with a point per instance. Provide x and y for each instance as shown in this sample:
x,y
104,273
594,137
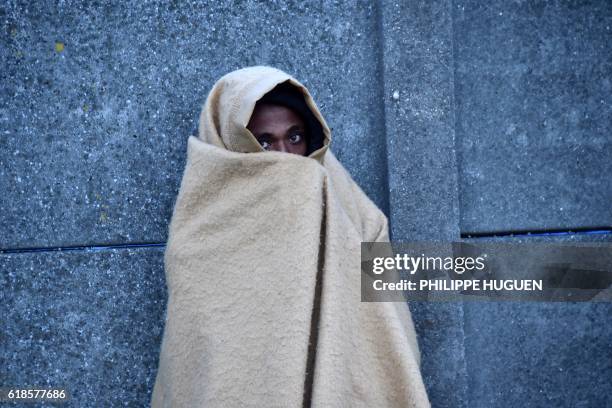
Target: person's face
x,y
278,128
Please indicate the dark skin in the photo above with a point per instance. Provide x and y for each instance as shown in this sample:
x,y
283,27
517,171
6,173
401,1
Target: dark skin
x,y
278,128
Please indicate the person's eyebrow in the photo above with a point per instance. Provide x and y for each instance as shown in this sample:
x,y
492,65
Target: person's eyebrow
x,y
267,135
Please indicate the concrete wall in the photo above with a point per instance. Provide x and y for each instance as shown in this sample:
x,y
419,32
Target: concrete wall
x,y
501,123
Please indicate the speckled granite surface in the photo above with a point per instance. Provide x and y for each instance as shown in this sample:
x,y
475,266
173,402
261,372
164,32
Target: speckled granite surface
x,y
454,116
98,99
88,321
533,113
423,181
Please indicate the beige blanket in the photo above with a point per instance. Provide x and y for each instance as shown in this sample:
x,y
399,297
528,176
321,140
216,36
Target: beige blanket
x,y
263,273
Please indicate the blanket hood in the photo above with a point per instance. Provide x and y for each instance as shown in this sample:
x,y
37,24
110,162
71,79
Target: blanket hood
x,y
230,104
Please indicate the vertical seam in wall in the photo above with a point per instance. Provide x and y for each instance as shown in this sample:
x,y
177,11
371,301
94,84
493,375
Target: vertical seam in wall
x,y
453,68
380,46
458,155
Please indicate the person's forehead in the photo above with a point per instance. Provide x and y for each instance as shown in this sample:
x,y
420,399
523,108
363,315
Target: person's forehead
x,y
266,111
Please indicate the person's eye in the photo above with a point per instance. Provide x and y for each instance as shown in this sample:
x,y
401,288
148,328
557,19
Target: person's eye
x,y
266,145
295,138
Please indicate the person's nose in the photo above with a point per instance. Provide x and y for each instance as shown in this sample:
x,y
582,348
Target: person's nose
x,y
282,146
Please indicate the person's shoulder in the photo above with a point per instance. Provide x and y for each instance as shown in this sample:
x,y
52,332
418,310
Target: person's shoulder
x,y
371,219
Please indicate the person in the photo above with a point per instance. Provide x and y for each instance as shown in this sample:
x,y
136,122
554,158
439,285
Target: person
x,y
263,266
282,121
279,128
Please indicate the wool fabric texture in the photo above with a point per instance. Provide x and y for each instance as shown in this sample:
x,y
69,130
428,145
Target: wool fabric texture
x,y
263,274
